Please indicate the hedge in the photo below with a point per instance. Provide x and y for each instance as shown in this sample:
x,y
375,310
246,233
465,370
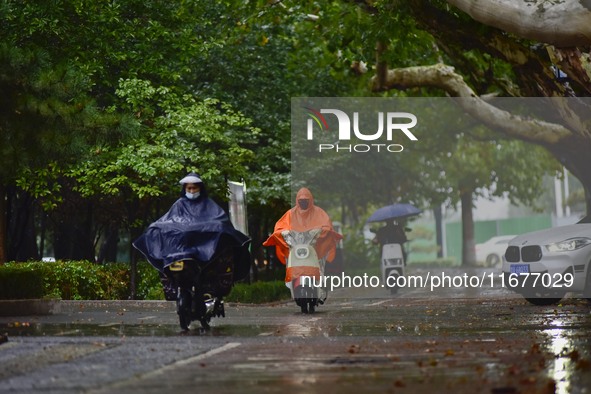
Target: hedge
x,y
84,280
68,280
16,283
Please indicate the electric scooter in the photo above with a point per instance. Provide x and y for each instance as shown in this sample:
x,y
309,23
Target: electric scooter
x,y
200,286
392,265
304,270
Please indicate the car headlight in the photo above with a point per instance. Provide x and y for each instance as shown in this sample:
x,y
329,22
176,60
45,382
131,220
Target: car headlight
x,y
568,245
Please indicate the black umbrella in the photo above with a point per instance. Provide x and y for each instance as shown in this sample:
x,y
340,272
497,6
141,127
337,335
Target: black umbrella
x,y
394,211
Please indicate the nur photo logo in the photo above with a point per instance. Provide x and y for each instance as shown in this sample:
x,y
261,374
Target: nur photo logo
x,y
355,127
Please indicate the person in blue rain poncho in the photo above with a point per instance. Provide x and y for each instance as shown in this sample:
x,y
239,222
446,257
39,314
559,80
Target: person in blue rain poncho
x,y
194,227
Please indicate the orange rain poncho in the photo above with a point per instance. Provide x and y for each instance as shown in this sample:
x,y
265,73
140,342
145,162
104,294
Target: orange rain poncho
x,y
299,219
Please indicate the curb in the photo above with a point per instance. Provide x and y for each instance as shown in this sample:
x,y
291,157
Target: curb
x,y
51,307
28,307
41,307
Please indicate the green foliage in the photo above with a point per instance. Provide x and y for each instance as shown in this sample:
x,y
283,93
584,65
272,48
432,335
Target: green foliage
x,y
78,280
259,292
106,104
82,280
421,240
185,134
20,283
148,282
359,253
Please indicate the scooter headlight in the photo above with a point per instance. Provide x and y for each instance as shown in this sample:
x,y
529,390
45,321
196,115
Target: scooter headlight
x,y
393,262
302,253
177,266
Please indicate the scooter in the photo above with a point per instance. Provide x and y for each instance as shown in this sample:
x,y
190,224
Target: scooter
x,y
304,270
392,265
201,286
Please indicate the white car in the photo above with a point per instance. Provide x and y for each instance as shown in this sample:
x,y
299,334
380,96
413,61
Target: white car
x,y
544,265
491,252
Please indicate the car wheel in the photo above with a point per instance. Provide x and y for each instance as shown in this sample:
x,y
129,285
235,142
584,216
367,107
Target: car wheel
x,y
587,290
543,301
544,298
492,260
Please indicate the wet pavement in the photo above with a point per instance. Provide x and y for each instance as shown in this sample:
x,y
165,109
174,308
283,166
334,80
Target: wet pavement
x,y
492,343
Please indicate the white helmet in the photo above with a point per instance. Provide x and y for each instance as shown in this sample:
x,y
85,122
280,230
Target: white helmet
x,y
191,178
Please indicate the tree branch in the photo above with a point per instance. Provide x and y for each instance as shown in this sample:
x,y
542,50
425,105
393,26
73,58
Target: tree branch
x,y
531,65
444,77
565,23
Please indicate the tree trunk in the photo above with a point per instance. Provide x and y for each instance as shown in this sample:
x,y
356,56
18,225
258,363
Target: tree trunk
x,y
134,233
73,235
133,255
108,249
574,155
438,229
468,240
21,229
3,232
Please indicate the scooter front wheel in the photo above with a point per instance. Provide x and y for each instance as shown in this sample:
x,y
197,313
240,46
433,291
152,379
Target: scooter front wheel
x,y
183,309
307,299
303,306
307,305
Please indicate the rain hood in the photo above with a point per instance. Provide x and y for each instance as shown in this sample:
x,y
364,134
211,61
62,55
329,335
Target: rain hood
x,y
299,219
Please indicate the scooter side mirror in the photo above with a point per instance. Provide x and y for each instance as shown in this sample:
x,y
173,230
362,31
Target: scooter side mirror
x,y
288,236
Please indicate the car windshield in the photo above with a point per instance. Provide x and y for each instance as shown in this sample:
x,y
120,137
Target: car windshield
x,y
586,219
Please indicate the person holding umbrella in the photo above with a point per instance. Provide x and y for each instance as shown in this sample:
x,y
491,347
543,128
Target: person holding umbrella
x,y
392,233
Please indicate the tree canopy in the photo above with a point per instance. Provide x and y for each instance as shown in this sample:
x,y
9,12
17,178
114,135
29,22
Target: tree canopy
x,y
106,104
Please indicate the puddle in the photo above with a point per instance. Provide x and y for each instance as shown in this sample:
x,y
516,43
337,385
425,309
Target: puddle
x,y
128,330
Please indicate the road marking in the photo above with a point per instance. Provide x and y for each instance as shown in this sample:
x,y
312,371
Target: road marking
x,y
190,360
114,386
198,357
266,334
378,303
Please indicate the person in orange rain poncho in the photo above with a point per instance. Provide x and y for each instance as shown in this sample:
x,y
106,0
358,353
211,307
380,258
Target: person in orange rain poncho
x,y
303,217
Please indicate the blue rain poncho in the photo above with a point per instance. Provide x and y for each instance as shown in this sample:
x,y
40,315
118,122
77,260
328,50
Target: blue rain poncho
x,y
198,229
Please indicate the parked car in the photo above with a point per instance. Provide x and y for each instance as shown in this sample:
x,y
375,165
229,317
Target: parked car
x,y
545,265
491,252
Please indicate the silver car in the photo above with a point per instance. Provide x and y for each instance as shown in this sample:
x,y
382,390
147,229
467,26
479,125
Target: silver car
x,y
544,265
492,250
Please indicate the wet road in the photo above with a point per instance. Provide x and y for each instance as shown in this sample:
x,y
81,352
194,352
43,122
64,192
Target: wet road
x,y
492,343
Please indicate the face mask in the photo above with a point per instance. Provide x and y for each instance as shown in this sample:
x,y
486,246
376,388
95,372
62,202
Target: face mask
x,y
304,204
192,196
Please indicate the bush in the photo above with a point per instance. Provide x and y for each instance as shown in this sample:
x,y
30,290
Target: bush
x,y
148,282
259,292
84,280
70,280
360,255
19,283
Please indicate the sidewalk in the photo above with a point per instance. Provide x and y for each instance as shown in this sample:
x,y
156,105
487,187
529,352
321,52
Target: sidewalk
x,y
53,306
